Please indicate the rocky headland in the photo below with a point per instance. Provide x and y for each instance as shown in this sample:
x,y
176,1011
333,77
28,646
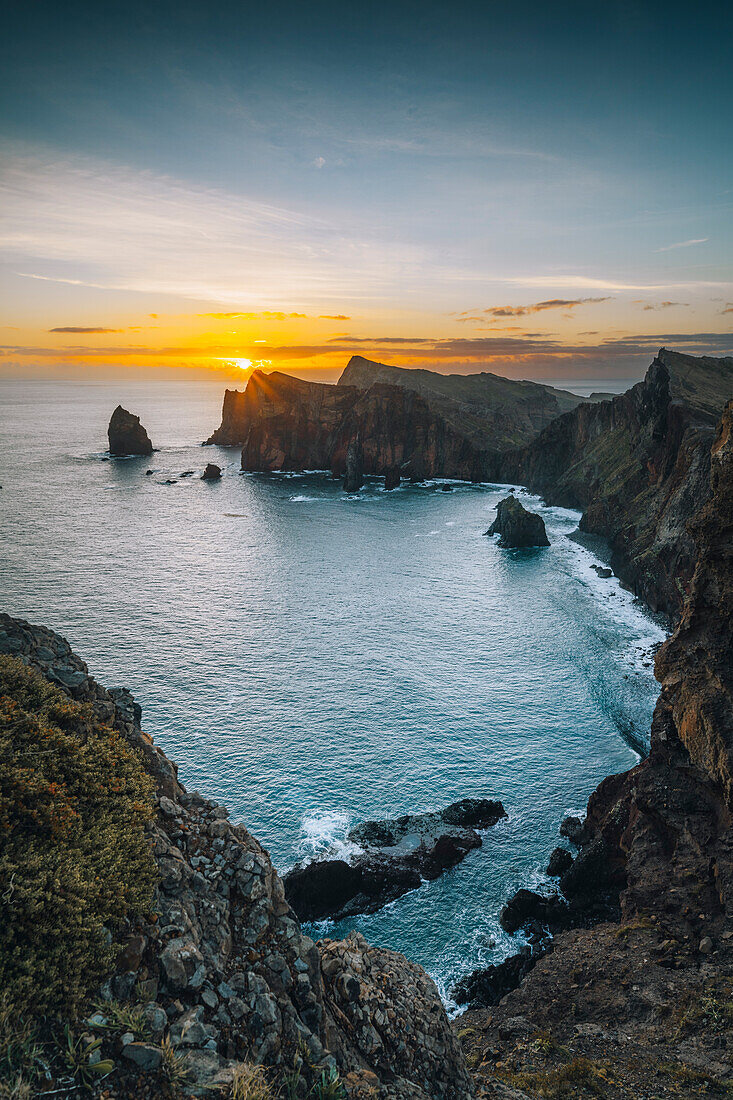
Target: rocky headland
x,y
213,976
395,423
393,857
126,435
516,527
640,1004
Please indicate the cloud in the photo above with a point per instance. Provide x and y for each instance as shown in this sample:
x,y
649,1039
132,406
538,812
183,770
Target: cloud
x,y
538,307
663,305
264,315
333,317
91,223
79,329
682,244
319,162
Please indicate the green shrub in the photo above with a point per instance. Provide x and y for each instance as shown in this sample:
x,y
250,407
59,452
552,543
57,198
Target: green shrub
x,y
74,860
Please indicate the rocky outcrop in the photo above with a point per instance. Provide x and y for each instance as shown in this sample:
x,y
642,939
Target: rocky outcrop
x,y
212,472
411,423
126,435
659,839
354,477
284,423
638,466
224,973
517,527
396,856
489,410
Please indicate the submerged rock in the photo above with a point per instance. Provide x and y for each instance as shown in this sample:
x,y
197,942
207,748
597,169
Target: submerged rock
x,y
126,434
212,472
516,526
398,855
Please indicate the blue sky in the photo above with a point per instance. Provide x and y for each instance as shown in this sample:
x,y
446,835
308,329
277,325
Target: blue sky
x,y
407,167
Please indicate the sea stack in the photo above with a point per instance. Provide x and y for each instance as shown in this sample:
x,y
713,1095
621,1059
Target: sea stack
x,y
212,472
392,478
354,478
516,526
127,435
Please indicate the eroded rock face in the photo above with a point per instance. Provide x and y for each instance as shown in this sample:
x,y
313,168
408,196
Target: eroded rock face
x,y
660,839
516,526
226,973
397,856
639,466
127,435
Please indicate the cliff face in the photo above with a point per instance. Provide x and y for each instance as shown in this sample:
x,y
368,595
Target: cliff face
x,y
638,1001
639,467
224,970
486,408
285,423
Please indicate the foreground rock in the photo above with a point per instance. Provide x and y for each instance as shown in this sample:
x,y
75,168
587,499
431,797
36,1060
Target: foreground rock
x,y
126,434
635,999
224,973
516,526
212,472
398,856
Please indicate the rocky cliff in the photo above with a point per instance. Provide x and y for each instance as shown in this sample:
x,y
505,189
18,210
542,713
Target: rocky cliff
x,y
638,466
486,408
220,972
285,423
643,1006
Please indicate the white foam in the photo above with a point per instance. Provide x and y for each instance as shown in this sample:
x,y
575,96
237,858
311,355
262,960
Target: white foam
x,y
302,498
325,831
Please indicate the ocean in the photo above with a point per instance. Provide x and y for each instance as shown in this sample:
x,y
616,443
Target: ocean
x,y
313,659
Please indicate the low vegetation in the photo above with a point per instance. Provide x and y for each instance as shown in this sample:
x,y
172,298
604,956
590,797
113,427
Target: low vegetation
x,y
74,861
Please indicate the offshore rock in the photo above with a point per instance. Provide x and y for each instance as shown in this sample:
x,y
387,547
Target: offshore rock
x,y
399,855
126,434
516,526
392,478
212,472
354,477
232,975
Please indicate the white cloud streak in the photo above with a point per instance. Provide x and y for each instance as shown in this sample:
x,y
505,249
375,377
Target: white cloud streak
x,y
682,244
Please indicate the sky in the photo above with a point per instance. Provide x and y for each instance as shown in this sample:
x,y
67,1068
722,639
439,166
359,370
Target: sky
x,y
542,191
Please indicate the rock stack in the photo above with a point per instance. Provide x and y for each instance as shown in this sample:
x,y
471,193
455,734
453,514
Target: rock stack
x,y
127,435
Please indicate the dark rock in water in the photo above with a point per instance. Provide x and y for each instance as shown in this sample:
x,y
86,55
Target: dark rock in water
x,y
488,986
467,813
187,473
148,473
574,829
171,481
560,860
212,472
602,571
516,526
399,855
354,478
392,478
527,906
446,488
127,435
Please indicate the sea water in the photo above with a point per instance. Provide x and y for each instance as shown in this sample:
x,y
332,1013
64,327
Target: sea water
x,y
312,658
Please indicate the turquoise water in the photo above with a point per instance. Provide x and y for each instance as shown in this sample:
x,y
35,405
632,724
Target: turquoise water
x,y
312,659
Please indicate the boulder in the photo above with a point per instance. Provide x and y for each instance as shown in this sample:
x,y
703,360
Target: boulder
x,y
559,862
127,435
397,856
212,472
516,526
354,478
